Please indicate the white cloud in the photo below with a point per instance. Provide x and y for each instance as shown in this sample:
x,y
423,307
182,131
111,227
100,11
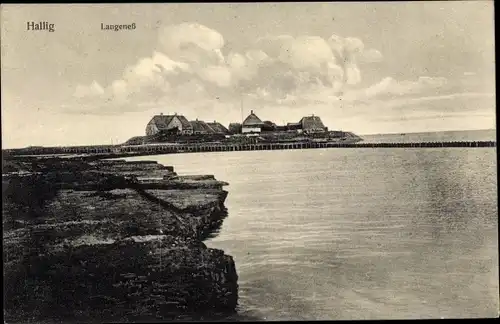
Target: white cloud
x,y
390,86
164,63
273,45
174,36
119,88
306,52
346,51
192,43
277,68
92,90
371,56
219,75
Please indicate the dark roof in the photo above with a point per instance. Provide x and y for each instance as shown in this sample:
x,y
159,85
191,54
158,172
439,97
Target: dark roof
x,y
311,122
161,121
218,127
234,127
185,123
201,126
252,120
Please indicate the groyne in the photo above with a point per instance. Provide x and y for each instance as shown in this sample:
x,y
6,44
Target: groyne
x,y
151,149
112,241
108,151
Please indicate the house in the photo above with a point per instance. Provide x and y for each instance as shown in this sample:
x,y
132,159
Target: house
x,y
294,126
175,122
312,124
252,124
269,126
234,128
218,128
200,127
309,124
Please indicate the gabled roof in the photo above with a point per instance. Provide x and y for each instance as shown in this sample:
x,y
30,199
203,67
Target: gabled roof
x,y
201,126
185,123
218,127
311,122
161,121
252,120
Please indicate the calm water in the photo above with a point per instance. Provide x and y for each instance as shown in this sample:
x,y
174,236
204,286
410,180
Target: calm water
x,y
449,136
358,233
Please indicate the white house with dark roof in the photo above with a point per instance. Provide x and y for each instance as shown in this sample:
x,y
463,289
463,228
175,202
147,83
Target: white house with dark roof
x,y
169,122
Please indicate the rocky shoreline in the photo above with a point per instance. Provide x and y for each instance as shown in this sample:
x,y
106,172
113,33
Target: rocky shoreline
x,y
112,240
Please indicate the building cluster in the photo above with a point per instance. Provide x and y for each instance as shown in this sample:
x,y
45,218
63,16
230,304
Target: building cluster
x,y
178,124
252,125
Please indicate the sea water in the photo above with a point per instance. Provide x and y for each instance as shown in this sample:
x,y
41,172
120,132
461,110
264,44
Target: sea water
x,y
384,233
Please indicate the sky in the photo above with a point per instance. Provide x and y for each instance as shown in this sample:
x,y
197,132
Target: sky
x,y
381,67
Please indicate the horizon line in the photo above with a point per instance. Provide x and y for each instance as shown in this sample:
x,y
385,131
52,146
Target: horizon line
x,y
442,131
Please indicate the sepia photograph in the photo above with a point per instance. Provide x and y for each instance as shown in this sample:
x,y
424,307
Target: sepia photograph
x,y
137,185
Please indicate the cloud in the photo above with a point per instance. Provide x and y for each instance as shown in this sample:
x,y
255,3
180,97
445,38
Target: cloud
x,y
433,113
92,90
219,75
386,89
386,93
192,43
371,56
346,51
275,68
391,87
245,66
273,45
306,52
297,66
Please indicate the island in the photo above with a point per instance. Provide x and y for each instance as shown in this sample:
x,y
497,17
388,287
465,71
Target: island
x,y
176,128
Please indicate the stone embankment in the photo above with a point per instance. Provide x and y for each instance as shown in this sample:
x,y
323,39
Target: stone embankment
x,y
112,240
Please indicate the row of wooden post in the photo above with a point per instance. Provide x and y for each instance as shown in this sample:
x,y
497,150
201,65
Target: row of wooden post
x,y
185,148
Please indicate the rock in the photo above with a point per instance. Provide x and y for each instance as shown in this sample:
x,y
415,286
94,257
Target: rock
x,y
104,240
83,287
197,177
180,183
